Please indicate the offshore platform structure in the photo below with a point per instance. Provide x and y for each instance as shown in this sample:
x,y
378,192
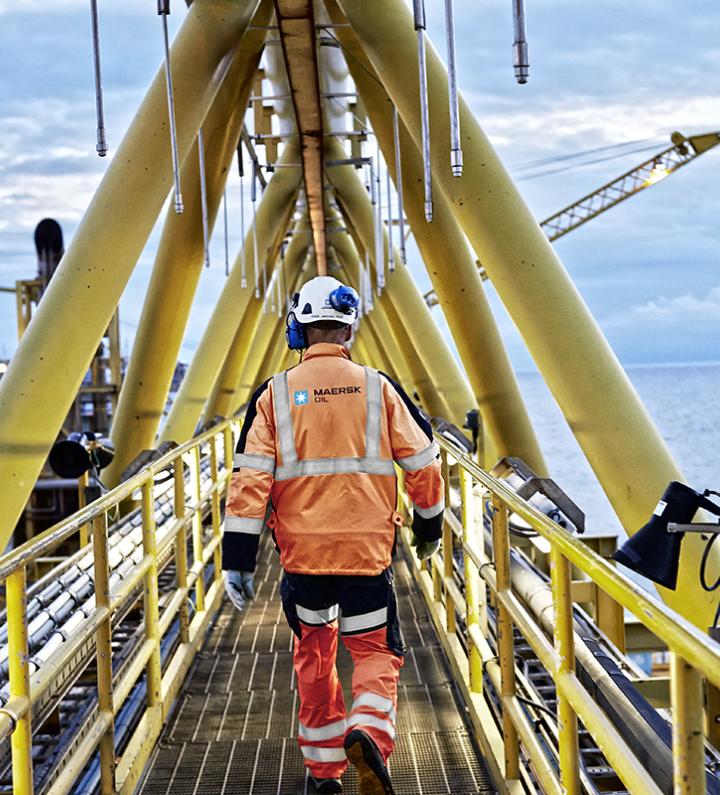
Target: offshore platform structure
x,y
526,626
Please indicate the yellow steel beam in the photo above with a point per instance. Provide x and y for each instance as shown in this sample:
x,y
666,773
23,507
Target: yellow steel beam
x,y
296,26
220,402
423,388
347,252
55,352
269,333
620,441
179,262
462,297
232,304
424,340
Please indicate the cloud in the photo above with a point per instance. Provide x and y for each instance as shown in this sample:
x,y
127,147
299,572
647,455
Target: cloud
x,y
663,313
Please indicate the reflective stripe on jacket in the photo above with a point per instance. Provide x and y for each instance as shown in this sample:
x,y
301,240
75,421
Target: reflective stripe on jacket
x,y
320,441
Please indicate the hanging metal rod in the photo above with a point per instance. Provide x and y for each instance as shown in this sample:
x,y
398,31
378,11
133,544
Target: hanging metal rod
x,y
163,11
247,140
399,184
419,22
101,145
241,170
340,95
203,197
521,61
456,155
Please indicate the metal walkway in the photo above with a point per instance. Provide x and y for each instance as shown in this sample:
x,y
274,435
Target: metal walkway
x,y
234,725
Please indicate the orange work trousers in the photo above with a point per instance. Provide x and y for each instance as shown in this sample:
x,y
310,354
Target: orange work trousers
x,y
363,610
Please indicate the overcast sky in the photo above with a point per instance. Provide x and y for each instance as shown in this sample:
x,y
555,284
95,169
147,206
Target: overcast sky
x,y
602,73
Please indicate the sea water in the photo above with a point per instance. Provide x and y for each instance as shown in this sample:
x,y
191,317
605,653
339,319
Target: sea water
x,y
683,400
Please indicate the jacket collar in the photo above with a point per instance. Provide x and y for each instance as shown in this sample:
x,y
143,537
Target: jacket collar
x,y
326,349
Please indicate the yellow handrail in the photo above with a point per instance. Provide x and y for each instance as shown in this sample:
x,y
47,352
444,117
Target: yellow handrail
x,y
194,499
549,631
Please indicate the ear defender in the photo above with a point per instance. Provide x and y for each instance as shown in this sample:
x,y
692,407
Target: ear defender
x,y
295,333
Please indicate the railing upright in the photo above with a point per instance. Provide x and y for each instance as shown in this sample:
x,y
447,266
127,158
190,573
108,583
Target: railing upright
x,y
103,638
151,610
19,675
447,550
215,515
505,641
195,491
181,561
565,648
475,607
686,695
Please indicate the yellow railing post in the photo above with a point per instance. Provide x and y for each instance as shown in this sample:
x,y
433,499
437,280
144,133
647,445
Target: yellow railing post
x,y
215,515
19,675
687,721
229,451
150,602
447,550
712,715
565,647
195,491
181,569
83,483
505,641
472,584
103,637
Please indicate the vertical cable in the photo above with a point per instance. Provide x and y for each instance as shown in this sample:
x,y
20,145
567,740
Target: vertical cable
x,y
520,47
164,11
379,248
253,199
241,170
399,184
456,155
391,246
419,20
368,283
101,145
203,197
227,248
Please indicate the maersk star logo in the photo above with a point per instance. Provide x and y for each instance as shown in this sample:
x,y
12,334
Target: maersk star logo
x,y
301,397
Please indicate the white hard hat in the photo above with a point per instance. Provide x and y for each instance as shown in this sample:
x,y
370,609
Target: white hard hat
x,y
325,298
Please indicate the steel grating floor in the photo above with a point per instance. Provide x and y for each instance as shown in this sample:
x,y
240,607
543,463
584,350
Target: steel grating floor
x,y
233,729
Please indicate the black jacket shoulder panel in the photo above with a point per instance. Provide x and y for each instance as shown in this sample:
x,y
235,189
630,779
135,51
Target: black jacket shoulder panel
x,y
412,407
250,415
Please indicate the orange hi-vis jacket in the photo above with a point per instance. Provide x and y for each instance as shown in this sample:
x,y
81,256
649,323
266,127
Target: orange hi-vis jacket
x,y
320,443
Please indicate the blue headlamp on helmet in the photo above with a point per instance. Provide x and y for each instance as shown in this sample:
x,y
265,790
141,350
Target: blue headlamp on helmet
x,y
344,299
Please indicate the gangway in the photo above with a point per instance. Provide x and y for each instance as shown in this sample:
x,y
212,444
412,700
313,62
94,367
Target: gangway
x,y
125,672
234,729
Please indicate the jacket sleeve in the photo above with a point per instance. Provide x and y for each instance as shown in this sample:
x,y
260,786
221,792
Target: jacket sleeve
x,y
414,451
252,479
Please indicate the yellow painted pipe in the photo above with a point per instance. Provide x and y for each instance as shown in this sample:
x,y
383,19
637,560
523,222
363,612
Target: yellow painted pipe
x,y
347,252
268,343
618,437
232,303
426,343
386,324
56,350
221,400
462,298
179,263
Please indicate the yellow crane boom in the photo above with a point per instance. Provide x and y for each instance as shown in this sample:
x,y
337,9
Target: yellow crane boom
x,y
650,172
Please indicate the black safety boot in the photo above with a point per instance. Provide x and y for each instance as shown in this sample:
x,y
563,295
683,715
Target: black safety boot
x,y
362,752
326,785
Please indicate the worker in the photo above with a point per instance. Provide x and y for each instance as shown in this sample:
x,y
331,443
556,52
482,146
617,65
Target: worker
x,y
315,463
